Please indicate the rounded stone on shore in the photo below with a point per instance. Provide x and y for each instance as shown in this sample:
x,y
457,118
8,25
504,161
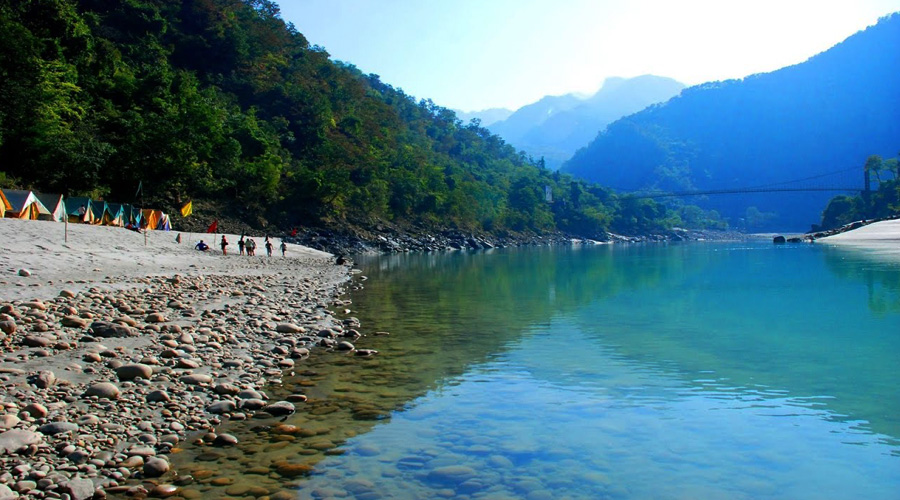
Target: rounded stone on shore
x,y
196,379
55,428
280,409
155,467
133,371
158,396
103,390
289,328
225,440
35,410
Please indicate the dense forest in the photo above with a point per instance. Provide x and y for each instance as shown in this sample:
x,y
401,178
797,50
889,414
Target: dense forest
x,y
880,203
223,103
799,122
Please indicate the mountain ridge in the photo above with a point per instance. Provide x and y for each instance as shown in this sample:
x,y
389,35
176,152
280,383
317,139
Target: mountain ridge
x,y
554,127
829,112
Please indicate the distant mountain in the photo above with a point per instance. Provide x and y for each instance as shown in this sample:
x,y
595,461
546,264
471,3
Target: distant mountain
x,y
826,114
556,126
487,116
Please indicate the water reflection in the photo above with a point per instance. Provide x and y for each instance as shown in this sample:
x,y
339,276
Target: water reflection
x,y
879,271
545,420
734,371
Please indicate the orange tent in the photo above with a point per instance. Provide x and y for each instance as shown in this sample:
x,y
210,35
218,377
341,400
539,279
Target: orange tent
x,y
4,204
150,218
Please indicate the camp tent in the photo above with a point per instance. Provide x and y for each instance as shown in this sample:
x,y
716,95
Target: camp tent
x,y
132,215
80,210
100,212
24,205
116,215
164,224
149,218
55,204
4,204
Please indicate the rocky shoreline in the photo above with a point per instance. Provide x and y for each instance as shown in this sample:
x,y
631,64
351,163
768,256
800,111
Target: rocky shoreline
x,y
385,239
100,385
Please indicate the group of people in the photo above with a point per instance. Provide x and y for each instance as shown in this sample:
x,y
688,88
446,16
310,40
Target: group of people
x,y
249,245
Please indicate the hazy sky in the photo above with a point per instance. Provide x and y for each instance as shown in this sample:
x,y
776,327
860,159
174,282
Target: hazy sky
x,y
477,54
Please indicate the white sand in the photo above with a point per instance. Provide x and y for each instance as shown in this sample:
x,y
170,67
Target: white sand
x,y
881,238
108,257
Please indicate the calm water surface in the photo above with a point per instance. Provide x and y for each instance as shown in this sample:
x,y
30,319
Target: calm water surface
x,y
737,370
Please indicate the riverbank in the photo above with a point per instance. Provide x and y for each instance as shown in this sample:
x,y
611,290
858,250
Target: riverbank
x,y
114,351
879,238
384,238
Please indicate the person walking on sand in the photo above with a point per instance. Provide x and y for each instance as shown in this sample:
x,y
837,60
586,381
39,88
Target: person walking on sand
x,y
251,247
269,248
283,248
224,245
241,245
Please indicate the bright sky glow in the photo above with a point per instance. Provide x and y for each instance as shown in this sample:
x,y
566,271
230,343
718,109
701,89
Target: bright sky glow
x,y
478,54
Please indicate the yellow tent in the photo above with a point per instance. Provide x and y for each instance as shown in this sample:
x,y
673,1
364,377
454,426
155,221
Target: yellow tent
x,y
4,204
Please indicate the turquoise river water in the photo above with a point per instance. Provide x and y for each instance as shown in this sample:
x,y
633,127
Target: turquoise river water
x,y
705,370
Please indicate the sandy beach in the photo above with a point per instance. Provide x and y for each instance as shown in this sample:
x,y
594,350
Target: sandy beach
x,y
879,239
113,350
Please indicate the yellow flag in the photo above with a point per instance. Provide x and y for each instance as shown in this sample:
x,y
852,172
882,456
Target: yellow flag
x,y
187,209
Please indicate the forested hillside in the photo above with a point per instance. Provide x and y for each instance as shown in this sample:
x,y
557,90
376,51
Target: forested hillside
x,y
221,102
820,116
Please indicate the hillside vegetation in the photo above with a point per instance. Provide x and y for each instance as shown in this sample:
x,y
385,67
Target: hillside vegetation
x,y
801,121
222,102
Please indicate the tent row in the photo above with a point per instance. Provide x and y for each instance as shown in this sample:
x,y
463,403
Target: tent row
x,y
21,204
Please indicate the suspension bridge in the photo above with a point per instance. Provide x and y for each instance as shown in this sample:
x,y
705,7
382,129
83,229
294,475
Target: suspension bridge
x,y
837,181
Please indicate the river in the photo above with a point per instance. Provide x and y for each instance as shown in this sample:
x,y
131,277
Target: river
x,y
700,370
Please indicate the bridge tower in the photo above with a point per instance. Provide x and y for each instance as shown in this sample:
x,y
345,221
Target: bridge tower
x,y
866,193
